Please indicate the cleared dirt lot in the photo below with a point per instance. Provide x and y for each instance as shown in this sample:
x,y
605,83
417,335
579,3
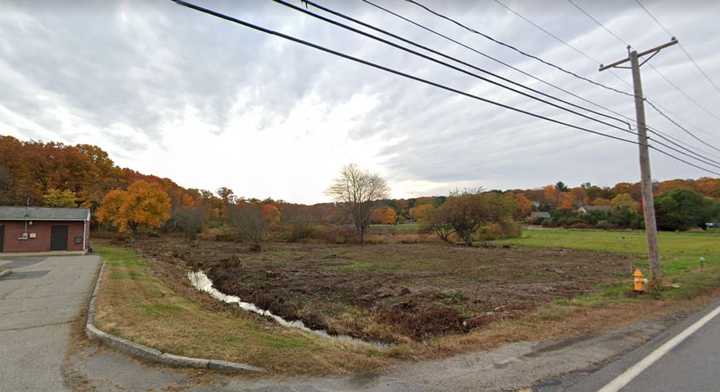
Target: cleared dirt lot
x,y
393,292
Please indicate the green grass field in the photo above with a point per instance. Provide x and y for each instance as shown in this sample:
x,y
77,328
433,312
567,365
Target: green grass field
x,y
680,252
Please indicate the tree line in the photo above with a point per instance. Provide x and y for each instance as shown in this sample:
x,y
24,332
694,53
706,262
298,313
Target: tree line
x,y
59,175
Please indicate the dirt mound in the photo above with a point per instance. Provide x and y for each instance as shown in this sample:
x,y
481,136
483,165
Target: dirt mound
x,y
420,321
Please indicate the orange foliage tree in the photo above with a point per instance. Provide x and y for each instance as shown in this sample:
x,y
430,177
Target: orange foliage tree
x,y
383,216
551,195
567,201
271,214
144,204
708,186
422,212
524,205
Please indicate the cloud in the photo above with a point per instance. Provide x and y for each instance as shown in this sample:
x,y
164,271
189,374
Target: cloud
x,y
154,83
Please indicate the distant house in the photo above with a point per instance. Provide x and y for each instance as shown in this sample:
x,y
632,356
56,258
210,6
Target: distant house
x,y
538,216
588,209
42,229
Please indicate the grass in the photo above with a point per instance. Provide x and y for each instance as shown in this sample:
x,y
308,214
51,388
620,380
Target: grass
x,y
680,256
143,303
135,304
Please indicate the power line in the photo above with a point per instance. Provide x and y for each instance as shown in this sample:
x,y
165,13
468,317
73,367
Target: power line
x,y
573,47
685,94
683,160
687,54
418,79
549,33
574,4
662,113
307,12
679,144
655,69
559,68
500,62
693,155
527,19
390,70
655,106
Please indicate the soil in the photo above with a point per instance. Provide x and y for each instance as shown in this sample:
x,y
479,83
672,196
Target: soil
x,y
392,292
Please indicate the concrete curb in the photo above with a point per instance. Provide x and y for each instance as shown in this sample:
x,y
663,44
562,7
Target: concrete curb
x,y
149,353
5,273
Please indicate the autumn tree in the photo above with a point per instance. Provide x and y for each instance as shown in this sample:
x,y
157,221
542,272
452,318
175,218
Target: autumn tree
x,y
708,186
421,213
524,205
601,201
439,222
383,216
271,214
551,195
143,204
357,191
567,201
60,198
624,200
466,211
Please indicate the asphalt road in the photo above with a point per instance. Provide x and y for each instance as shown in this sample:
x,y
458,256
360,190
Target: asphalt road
x,y
38,302
693,365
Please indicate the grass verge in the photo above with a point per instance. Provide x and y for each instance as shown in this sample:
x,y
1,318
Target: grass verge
x,y
681,255
137,305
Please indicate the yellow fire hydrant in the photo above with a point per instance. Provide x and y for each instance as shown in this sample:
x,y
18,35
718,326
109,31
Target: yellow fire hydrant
x,y
639,281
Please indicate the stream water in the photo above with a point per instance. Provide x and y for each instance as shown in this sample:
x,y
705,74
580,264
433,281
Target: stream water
x,y
201,282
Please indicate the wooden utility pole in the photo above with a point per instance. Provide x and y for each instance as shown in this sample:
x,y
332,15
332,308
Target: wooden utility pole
x,y
646,185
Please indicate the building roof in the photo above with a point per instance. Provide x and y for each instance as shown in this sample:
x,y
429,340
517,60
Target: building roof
x,y
43,214
595,208
539,214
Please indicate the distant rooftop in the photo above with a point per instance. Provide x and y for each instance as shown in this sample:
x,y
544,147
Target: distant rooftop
x,y
43,213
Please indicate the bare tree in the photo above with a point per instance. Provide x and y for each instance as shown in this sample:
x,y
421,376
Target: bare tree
x,y
249,222
358,190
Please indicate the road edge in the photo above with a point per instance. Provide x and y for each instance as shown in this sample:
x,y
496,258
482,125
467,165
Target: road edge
x,y
148,353
5,273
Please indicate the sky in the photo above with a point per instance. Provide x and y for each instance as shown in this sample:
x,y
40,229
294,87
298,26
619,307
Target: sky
x,y
169,91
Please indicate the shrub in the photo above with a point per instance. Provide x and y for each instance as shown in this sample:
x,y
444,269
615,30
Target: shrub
x,y
465,212
295,232
626,218
604,225
189,221
338,234
500,230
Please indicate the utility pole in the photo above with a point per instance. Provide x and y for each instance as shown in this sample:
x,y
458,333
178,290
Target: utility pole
x,y
646,185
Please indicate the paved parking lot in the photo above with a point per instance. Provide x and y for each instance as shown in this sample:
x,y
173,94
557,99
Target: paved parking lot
x,y
38,303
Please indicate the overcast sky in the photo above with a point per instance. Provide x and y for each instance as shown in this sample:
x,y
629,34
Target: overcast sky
x,y
208,103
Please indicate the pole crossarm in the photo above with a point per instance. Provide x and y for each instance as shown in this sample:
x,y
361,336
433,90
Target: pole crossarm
x,y
652,52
